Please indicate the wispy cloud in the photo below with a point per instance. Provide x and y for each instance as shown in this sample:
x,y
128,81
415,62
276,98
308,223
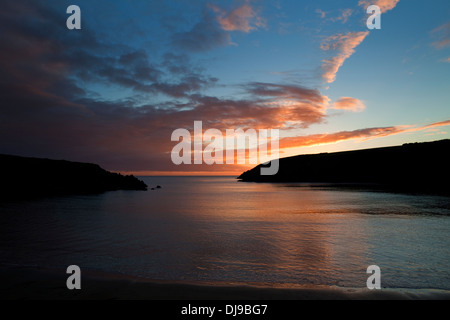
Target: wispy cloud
x,y
325,138
363,134
344,45
442,33
385,5
344,15
436,124
321,13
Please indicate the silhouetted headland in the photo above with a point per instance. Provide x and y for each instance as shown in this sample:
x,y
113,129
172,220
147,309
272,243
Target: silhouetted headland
x,y
24,177
413,167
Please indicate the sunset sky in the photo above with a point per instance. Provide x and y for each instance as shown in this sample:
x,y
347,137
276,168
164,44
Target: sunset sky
x,y
113,92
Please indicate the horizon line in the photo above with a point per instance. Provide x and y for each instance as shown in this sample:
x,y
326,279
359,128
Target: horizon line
x,y
181,173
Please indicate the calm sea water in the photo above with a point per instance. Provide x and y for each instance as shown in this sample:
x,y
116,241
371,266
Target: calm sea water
x,y
215,229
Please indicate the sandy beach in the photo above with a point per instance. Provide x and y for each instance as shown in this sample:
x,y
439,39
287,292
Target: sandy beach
x,y
39,284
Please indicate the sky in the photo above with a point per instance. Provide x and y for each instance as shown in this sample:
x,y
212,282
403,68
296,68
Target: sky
x,y
114,91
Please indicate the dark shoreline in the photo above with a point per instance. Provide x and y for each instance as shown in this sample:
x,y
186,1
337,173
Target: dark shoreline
x,y
19,283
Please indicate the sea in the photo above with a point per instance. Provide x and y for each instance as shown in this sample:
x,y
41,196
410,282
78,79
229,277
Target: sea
x,y
220,230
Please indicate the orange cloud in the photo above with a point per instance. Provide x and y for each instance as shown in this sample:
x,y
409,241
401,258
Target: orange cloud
x,y
365,134
345,46
325,138
349,104
437,124
385,5
243,18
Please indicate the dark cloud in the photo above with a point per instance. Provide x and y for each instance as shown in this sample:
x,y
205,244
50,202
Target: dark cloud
x,y
287,91
46,109
203,36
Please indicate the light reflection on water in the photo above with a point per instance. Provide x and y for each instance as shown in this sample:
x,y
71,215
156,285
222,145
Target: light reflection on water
x,y
217,229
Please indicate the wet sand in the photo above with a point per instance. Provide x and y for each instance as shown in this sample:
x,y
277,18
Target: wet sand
x,y
39,284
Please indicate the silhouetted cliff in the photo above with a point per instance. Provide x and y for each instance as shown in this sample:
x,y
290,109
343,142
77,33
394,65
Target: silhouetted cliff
x,y
23,177
415,167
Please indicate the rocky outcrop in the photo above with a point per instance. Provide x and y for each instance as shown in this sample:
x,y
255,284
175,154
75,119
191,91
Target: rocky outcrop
x,y
415,167
23,177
